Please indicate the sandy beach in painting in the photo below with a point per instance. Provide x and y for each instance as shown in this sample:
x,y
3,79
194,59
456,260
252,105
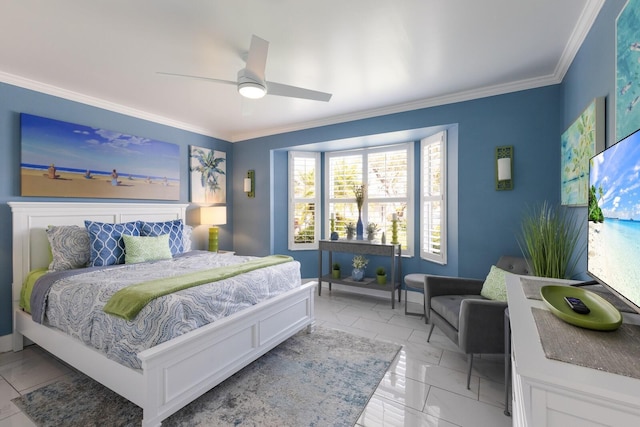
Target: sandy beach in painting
x,y
36,183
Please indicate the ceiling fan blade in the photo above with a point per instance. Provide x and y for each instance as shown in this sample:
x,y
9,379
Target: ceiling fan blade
x,y
257,57
208,79
296,92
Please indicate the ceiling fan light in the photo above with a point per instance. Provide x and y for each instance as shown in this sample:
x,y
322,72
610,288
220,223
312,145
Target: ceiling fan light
x,y
252,90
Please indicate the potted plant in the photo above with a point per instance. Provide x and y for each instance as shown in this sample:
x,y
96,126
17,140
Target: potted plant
x,y
372,229
335,272
351,230
359,264
381,276
549,239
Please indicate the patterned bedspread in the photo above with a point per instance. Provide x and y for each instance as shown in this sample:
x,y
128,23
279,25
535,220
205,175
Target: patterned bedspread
x,y
75,303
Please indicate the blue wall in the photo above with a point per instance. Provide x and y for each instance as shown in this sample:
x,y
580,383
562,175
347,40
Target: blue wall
x,y
14,100
487,220
591,75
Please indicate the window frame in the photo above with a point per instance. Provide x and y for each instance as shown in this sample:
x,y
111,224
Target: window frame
x,y
292,200
409,250
425,252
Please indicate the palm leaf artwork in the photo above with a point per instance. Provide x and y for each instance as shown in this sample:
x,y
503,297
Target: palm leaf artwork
x,y
209,169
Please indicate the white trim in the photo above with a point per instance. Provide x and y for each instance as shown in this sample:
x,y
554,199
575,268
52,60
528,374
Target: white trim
x,y
438,138
292,201
104,104
580,32
409,251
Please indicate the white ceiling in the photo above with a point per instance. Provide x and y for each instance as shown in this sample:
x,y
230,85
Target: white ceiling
x,y
374,56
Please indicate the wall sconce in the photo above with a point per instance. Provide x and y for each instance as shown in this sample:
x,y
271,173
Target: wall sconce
x,y
249,184
504,167
213,215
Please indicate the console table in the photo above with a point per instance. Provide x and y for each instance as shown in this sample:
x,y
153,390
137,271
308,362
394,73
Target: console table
x,y
363,247
550,393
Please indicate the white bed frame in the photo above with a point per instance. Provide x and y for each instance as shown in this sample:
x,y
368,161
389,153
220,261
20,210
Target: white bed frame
x,y
173,373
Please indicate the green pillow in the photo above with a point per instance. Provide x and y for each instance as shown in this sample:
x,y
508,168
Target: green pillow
x,y
494,286
145,248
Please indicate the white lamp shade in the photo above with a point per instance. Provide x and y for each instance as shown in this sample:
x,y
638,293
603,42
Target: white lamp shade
x,y
504,169
247,185
213,215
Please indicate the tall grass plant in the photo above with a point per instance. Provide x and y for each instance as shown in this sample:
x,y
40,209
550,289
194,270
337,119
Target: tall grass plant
x,y
550,239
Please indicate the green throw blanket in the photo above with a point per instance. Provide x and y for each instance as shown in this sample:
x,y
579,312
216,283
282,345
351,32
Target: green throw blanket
x,y
128,302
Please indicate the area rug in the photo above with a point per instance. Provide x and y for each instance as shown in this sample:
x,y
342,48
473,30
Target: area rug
x,y
321,379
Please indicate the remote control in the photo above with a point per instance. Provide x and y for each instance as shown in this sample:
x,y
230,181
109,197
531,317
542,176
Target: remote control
x,y
577,305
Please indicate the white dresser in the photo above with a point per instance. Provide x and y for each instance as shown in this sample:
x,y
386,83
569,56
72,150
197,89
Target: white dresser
x,y
550,393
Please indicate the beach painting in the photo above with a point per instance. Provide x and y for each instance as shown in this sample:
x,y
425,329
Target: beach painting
x,y
581,141
628,70
208,170
60,159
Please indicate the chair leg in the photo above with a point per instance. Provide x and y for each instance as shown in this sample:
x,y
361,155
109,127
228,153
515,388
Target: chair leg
x,y
430,332
406,301
424,309
470,362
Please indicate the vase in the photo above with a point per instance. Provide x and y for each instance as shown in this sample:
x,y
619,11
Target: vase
x,y
381,279
335,274
359,228
357,274
334,236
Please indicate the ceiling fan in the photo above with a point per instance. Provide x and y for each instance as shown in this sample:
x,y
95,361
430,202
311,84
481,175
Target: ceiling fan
x,y
251,82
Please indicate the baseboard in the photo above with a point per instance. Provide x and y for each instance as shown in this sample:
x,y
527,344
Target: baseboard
x,y
6,343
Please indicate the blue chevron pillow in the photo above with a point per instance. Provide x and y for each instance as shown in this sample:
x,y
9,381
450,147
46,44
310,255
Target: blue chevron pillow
x,y
107,246
173,228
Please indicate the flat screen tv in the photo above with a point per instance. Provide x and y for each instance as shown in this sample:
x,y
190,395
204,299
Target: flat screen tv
x,y
613,256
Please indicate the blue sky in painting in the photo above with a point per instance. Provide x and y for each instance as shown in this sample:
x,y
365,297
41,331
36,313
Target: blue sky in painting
x,y
617,171
67,145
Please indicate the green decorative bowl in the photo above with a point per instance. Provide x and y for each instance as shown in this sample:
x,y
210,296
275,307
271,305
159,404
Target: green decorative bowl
x,y
603,315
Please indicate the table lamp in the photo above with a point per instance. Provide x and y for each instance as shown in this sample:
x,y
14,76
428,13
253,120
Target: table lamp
x,y
213,215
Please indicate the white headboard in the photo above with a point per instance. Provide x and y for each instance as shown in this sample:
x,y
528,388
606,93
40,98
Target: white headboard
x,y
30,220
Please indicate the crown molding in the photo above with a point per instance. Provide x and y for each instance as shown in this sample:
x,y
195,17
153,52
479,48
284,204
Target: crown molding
x,y
410,106
580,32
70,95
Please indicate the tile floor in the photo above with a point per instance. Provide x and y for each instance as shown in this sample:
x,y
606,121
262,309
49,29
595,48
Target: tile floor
x,y
425,386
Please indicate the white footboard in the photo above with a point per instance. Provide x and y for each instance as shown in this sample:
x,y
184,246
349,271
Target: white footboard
x,y
179,371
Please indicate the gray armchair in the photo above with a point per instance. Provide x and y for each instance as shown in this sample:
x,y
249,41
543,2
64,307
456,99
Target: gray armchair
x,y
474,323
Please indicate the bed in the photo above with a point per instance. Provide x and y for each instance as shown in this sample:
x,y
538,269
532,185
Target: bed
x,y
172,373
